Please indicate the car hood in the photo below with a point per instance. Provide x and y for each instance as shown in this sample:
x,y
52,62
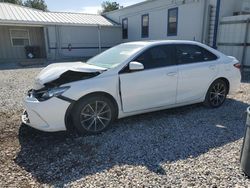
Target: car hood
x,y
55,71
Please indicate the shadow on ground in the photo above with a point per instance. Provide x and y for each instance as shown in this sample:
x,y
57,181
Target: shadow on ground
x,y
146,140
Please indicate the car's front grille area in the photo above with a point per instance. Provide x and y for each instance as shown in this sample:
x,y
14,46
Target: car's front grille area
x,y
25,117
37,94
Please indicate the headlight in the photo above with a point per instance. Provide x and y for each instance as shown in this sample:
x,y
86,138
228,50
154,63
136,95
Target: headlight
x,y
53,92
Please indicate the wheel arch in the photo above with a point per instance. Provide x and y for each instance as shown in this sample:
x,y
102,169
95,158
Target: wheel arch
x,y
207,100
225,80
219,78
68,118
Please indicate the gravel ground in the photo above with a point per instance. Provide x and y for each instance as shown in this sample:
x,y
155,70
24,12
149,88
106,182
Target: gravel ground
x,y
186,147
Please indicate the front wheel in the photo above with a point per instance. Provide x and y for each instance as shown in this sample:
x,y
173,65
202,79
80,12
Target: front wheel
x,y
93,114
217,94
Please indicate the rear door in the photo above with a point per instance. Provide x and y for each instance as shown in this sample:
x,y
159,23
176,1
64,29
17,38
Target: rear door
x,y
197,68
155,86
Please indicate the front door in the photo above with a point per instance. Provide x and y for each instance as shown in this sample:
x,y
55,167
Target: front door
x,y
155,86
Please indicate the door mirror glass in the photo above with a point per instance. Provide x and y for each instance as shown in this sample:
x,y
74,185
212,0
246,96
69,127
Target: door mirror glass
x,y
136,66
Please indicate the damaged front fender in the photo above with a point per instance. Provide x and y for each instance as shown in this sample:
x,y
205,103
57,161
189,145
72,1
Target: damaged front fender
x,y
43,93
71,76
62,73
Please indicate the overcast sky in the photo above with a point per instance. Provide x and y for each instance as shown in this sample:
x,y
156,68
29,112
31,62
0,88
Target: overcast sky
x,y
86,6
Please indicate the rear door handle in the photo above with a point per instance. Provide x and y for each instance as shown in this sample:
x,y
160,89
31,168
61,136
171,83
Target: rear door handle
x,y
172,74
212,67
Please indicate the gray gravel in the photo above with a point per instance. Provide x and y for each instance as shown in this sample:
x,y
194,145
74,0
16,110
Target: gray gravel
x,y
186,147
14,84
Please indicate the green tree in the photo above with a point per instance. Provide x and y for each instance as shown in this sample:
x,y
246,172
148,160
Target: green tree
x,y
18,2
37,4
108,6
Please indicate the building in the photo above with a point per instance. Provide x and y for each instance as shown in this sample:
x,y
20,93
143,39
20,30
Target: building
x,y
58,35
174,19
72,35
221,24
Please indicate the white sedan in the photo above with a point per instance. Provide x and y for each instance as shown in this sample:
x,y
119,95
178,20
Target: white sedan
x,y
129,79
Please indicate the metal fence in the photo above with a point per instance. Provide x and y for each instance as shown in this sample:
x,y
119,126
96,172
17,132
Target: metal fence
x,y
234,38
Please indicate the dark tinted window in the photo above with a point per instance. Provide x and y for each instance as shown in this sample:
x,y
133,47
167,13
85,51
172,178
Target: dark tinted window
x,y
193,54
172,21
125,28
156,57
145,26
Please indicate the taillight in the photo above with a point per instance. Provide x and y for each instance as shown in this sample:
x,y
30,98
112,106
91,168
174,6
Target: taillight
x,y
237,65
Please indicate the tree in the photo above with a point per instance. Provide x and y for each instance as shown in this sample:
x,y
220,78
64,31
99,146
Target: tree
x,y
108,6
18,2
37,4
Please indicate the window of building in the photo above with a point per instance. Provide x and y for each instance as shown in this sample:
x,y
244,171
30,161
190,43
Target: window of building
x,y
193,54
125,28
172,21
144,26
156,57
19,37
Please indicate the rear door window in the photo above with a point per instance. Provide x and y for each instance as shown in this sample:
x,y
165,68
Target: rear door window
x,y
187,54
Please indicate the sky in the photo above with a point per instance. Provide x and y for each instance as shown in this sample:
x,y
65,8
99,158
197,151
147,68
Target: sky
x,y
83,6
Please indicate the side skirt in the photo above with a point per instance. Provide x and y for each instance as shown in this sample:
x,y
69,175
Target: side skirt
x,y
123,115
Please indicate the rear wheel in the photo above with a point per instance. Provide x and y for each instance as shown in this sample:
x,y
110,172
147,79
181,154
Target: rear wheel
x,y
217,94
93,114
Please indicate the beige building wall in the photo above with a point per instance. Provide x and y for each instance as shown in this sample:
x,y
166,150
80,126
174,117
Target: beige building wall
x,y
8,51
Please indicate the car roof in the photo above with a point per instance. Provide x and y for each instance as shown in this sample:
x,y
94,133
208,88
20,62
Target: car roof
x,y
151,42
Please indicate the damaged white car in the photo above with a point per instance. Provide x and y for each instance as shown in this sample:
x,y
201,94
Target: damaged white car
x,y
129,79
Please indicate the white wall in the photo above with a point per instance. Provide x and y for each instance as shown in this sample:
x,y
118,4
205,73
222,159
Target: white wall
x,y
84,40
190,19
51,41
190,23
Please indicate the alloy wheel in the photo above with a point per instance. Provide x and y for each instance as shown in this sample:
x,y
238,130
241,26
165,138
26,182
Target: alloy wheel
x,y
218,94
95,116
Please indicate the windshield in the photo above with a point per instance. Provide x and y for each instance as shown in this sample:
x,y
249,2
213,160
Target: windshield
x,y
115,56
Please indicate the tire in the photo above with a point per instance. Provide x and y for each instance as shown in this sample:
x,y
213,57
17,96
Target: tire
x,y
93,114
216,94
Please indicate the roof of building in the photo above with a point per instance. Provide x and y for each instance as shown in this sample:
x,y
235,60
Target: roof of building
x,y
16,14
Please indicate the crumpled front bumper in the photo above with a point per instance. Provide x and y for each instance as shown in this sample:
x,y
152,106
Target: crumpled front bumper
x,y
47,115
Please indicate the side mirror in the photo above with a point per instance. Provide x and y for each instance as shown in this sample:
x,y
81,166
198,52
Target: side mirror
x,y
135,66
